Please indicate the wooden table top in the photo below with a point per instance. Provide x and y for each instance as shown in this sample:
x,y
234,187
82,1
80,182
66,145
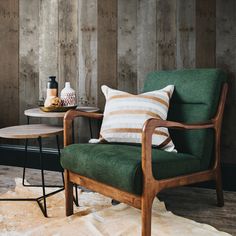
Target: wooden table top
x,y
36,112
30,131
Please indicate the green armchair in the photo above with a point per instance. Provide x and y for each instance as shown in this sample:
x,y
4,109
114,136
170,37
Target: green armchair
x,y
135,174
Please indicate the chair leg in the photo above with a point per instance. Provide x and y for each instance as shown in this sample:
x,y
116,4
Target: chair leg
x,y
68,194
146,215
219,190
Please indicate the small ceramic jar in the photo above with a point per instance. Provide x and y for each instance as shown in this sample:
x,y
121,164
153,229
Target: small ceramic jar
x,y
68,97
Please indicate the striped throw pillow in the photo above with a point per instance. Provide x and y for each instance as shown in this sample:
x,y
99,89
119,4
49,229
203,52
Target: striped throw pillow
x,y
125,115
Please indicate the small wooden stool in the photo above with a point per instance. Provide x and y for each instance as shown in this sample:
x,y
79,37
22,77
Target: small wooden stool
x,y
33,131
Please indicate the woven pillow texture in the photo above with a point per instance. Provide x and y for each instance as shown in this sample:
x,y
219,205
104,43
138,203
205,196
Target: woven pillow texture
x,y
125,115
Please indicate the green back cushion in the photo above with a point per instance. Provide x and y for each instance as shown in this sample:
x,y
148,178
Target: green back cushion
x,y
195,99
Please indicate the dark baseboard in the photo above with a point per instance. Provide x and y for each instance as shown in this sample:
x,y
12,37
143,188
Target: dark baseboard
x,y
13,155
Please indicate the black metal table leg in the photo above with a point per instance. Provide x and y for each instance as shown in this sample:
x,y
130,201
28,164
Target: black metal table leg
x,y
90,128
43,206
28,120
26,153
44,209
36,134
73,131
25,166
76,198
59,155
25,162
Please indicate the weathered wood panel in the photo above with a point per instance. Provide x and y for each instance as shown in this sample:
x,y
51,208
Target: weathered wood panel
x,y
205,33
48,43
83,42
166,34
68,43
186,33
107,47
87,85
226,58
28,56
48,51
87,62
127,46
9,38
226,40
146,39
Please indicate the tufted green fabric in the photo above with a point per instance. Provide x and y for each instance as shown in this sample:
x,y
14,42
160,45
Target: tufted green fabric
x,y
195,99
120,165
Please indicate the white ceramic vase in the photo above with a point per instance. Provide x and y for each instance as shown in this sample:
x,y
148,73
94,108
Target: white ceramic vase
x,y
68,96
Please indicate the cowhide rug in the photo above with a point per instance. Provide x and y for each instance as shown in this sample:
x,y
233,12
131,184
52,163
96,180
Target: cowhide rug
x,y
95,217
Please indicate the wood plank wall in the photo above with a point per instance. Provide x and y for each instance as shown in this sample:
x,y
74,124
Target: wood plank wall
x,y
146,39
106,46
127,52
113,42
186,43
68,43
226,58
9,83
29,56
205,33
166,34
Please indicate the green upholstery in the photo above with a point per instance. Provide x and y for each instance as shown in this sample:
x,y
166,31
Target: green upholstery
x,y
195,99
120,165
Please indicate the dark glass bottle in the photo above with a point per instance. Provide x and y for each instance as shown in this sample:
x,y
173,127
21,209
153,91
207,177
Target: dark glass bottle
x,y
52,90
52,86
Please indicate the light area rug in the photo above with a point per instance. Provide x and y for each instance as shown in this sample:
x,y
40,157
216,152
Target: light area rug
x,y
95,217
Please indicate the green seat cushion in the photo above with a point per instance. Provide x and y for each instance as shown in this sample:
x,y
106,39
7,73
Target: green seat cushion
x,y
195,99
119,165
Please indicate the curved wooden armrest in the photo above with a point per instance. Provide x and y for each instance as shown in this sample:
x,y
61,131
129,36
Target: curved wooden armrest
x,y
68,120
71,114
148,129
154,123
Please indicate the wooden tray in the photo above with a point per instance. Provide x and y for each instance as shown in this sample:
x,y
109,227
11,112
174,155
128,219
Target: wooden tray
x,y
87,109
57,109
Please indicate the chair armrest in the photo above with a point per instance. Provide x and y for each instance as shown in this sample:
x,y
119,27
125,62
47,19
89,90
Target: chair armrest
x,y
72,114
153,123
68,121
148,129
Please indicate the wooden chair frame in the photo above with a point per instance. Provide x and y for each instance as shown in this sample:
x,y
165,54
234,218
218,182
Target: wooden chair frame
x,y
151,186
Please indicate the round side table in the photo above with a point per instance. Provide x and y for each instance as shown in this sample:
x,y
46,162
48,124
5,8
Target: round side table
x,y
37,112
34,131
